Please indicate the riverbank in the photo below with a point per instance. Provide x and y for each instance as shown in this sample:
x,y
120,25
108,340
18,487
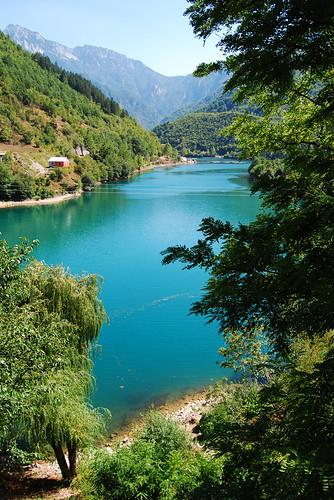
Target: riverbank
x,y
186,410
163,164
46,201
43,479
54,200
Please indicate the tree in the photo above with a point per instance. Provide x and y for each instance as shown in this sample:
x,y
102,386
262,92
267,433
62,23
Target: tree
x,y
272,278
270,284
48,322
266,42
276,440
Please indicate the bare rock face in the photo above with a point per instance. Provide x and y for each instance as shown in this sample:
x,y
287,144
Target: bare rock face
x,y
39,169
82,151
145,94
34,42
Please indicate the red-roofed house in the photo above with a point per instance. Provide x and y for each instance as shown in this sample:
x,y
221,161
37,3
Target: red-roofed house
x,y
59,161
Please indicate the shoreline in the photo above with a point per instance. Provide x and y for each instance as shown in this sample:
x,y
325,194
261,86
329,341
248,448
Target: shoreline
x,y
159,165
54,200
187,409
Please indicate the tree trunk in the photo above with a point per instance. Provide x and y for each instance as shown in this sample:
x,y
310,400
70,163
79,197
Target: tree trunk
x,y
72,458
65,471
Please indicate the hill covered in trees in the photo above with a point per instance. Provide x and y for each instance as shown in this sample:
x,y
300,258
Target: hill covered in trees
x,y
198,134
42,115
196,130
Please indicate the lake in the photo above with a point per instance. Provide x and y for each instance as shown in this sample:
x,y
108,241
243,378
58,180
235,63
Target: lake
x,y
152,349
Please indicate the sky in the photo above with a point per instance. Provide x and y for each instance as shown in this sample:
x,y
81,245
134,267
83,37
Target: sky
x,y
153,31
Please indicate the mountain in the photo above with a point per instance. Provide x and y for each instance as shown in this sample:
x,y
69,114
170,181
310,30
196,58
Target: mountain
x,y
41,116
144,93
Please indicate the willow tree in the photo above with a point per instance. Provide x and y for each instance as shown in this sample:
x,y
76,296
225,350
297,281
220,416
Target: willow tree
x,y
49,320
74,300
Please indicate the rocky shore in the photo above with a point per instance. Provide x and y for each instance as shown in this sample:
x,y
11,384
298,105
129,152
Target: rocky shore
x,y
187,410
190,414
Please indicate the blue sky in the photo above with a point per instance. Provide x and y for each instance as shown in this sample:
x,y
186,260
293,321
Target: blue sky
x,y
153,31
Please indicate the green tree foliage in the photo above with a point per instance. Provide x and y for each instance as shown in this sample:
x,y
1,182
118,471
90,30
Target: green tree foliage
x,y
270,281
274,275
53,112
276,441
48,321
159,464
266,42
198,134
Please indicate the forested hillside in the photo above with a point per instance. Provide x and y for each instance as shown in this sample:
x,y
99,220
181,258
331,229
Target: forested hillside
x,y
81,84
198,134
220,102
196,130
42,116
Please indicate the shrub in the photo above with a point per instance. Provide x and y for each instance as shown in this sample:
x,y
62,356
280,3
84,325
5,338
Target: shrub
x,y
5,133
165,434
28,136
135,472
276,440
132,472
160,464
56,174
87,182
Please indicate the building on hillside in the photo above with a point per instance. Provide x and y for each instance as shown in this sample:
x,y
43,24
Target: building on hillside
x,y
2,155
59,161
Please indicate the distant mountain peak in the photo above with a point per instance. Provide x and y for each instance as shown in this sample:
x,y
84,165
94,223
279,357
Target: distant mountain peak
x,y
144,93
17,29
32,41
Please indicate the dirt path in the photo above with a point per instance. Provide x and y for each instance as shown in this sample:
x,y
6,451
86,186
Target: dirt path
x,y
41,481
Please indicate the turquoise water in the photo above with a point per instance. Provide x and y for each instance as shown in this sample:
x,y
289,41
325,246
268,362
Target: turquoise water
x,y
152,349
